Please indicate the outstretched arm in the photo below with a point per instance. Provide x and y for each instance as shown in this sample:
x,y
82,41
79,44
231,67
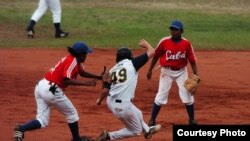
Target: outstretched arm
x,y
86,74
68,81
150,50
141,60
90,75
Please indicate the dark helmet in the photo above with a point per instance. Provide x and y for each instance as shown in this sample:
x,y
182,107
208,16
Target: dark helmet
x,y
123,53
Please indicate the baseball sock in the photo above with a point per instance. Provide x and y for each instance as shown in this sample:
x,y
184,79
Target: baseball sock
x,y
190,111
57,27
32,125
31,25
155,110
74,130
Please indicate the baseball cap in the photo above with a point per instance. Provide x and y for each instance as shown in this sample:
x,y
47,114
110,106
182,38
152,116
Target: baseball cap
x,y
81,48
176,24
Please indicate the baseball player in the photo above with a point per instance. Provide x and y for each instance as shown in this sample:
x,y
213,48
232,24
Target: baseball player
x,y
120,92
49,92
174,53
55,8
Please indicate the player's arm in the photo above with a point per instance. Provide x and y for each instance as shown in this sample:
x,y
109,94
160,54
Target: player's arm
x,y
194,68
104,94
141,60
89,75
86,74
68,81
106,83
192,59
153,62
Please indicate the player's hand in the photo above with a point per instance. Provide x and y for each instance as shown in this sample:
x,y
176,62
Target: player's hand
x,y
150,50
106,77
149,74
98,101
143,43
91,83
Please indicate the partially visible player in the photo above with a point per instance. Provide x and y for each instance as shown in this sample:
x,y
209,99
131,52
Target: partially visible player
x,y
174,53
49,92
121,91
55,8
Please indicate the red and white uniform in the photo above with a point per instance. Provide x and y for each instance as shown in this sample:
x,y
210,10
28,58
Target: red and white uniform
x,y
66,67
173,57
173,54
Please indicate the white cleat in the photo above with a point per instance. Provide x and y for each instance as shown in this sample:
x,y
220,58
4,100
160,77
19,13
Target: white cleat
x,y
152,130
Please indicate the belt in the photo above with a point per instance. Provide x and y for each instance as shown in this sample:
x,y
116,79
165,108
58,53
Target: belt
x,y
173,68
120,101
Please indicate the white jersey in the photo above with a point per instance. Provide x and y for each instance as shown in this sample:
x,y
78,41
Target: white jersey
x,y
124,80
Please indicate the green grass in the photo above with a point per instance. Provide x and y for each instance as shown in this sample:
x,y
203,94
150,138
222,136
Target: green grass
x,y
215,24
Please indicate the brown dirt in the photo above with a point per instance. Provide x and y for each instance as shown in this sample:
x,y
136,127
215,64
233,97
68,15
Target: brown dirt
x,y
223,96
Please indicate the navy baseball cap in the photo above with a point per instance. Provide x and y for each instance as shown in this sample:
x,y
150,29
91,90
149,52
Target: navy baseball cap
x,y
81,48
176,24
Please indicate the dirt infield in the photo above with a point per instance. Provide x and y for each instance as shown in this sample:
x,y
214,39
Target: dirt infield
x,y
223,96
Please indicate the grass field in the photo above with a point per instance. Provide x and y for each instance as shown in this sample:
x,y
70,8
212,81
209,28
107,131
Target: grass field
x,y
213,24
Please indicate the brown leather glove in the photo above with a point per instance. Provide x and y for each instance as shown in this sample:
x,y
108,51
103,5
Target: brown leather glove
x,y
192,84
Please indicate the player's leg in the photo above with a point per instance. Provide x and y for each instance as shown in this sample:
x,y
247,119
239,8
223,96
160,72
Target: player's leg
x,y
43,113
186,97
65,106
132,119
149,131
161,98
55,7
39,12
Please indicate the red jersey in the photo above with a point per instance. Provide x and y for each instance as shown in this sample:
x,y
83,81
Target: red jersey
x,y
67,67
174,54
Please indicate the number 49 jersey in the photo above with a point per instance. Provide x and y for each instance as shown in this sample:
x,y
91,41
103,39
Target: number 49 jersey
x,y
124,80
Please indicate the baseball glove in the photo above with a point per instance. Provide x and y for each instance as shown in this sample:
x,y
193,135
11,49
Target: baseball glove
x,y
192,84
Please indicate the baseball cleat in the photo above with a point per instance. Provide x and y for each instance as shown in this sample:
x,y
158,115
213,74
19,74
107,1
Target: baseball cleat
x,y
61,34
103,136
18,134
152,130
192,122
30,33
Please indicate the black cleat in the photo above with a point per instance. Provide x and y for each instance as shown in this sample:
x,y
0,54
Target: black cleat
x,y
61,34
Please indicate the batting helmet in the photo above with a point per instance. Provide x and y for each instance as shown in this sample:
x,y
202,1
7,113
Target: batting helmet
x,y
123,53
